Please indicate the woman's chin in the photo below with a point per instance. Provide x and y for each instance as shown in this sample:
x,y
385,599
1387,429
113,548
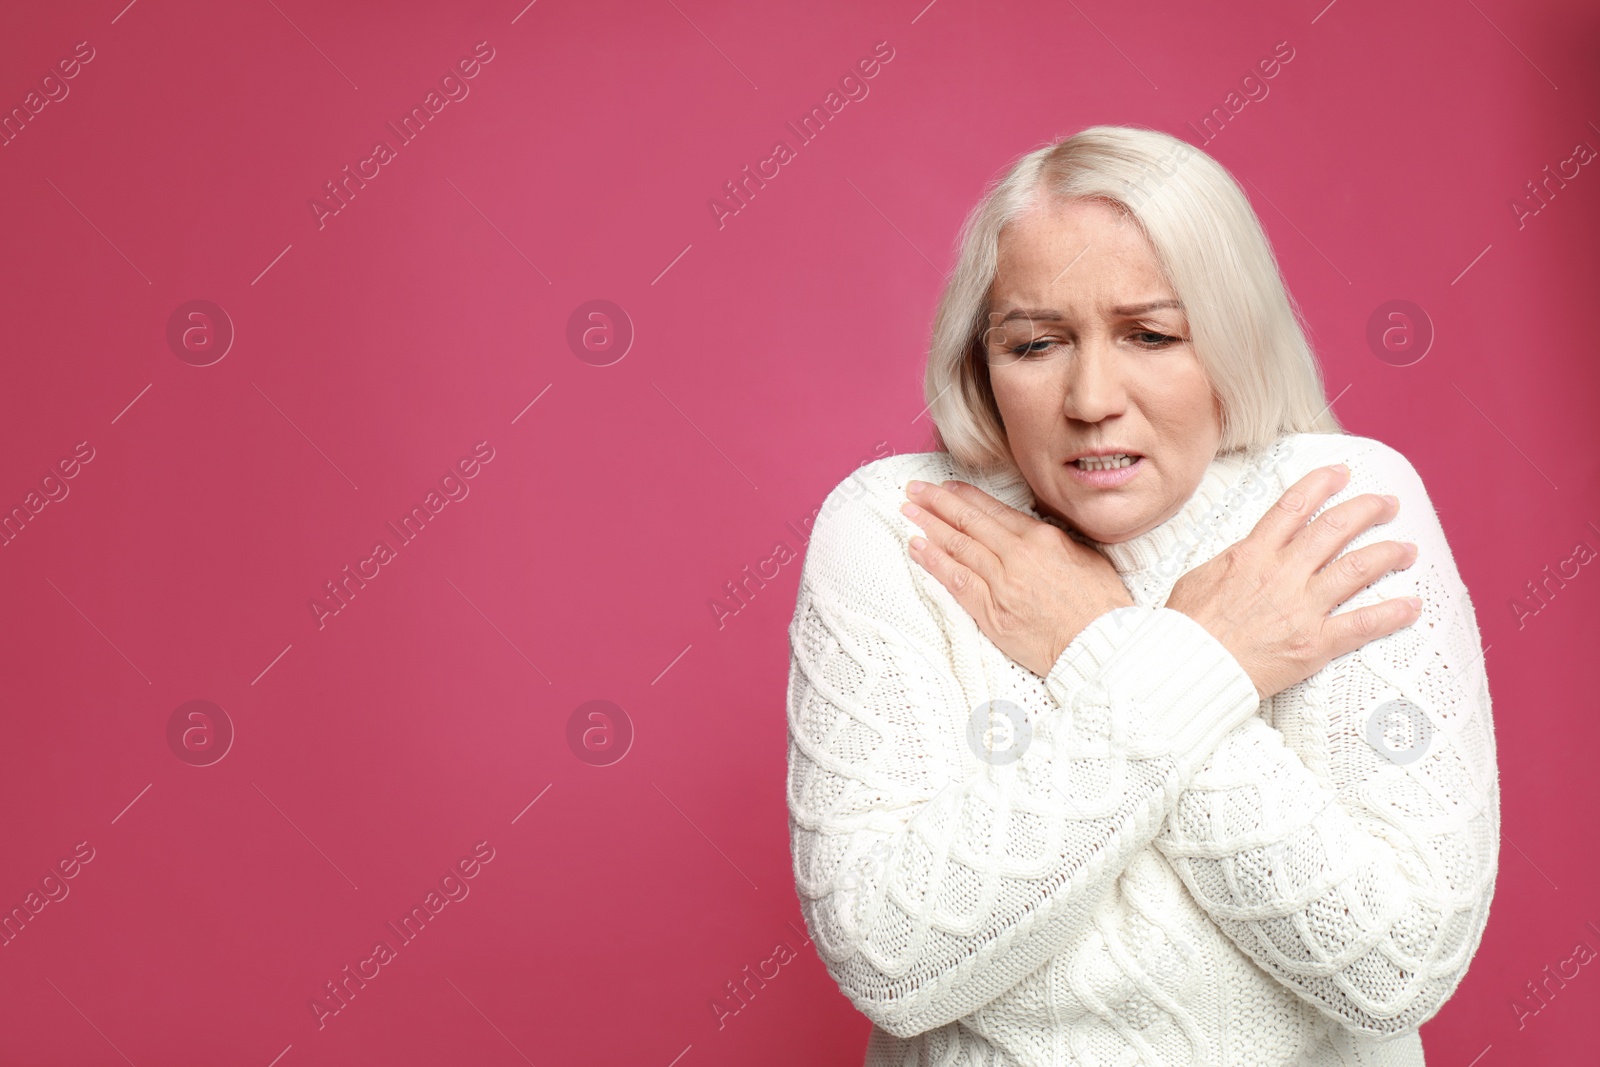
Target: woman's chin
x,y
1107,516
1107,525
1105,537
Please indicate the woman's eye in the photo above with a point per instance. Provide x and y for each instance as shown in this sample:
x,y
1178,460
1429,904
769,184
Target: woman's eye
x,y
1032,347
1161,340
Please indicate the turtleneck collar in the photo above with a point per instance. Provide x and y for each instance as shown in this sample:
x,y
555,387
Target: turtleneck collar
x,y
1168,548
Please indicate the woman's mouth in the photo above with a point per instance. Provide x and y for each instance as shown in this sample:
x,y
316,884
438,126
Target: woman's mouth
x,y
1106,472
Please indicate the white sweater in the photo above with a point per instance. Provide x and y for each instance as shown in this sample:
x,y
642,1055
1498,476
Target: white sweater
x,y
1171,871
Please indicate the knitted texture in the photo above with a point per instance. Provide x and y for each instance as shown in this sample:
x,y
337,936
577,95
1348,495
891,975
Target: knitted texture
x,y
1132,859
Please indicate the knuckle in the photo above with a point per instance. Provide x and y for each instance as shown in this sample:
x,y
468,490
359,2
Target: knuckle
x,y
1365,623
1293,501
1045,540
1355,565
1238,558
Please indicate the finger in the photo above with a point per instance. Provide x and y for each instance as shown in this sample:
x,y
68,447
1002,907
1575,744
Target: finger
x,y
961,529
1295,507
1336,527
964,584
1007,516
1354,571
1349,630
947,542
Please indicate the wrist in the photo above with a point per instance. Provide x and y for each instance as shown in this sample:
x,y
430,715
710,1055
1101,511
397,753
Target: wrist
x,y
1065,639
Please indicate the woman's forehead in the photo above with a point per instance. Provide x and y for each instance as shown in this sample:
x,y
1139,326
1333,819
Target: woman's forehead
x,y
1068,248
1091,287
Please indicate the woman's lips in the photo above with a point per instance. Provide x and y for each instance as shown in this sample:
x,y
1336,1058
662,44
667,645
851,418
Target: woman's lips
x,y
1107,479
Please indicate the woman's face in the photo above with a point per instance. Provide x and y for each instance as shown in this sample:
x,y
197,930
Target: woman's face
x,y
1080,283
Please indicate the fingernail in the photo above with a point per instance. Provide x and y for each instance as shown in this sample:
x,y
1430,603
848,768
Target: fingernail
x,y
1392,499
1339,468
915,486
1411,548
1415,602
910,510
949,484
917,543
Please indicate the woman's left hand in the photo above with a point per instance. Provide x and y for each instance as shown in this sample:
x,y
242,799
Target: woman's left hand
x,y
1030,588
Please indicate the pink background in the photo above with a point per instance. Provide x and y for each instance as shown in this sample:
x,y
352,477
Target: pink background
x,y
771,354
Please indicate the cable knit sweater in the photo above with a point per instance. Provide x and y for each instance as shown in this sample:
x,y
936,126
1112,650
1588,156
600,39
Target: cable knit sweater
x,y
1133,860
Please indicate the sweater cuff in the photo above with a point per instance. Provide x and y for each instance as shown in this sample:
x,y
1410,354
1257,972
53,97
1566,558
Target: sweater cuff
x,y
1157,680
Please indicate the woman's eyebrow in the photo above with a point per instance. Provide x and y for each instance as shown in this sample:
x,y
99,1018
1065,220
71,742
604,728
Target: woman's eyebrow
x,y
1052,315
1034,315
1140,309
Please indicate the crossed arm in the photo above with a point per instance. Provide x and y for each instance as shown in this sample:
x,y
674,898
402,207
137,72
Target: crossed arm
x,y
1351,848
933,881
1361,881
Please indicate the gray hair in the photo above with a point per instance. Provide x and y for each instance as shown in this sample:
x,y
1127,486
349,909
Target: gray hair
x,y
1244,325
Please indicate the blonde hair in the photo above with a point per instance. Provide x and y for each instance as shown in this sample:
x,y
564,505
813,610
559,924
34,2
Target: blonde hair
x,y
1244,325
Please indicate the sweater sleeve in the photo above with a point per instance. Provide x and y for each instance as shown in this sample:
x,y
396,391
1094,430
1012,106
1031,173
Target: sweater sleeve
x,y
935,873
1350,849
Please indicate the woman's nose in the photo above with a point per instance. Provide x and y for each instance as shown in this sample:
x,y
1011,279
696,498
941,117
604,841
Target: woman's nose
x,y
1095,389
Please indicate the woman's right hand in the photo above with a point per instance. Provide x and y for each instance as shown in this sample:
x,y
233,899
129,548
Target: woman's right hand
x,y
1267,598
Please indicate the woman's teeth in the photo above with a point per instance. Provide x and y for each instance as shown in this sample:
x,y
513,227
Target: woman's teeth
x,y
1105,463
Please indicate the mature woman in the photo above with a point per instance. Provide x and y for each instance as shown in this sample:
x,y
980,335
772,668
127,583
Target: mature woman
x,y
1115,735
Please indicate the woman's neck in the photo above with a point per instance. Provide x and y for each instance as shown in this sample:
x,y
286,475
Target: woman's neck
x,y
1170,545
